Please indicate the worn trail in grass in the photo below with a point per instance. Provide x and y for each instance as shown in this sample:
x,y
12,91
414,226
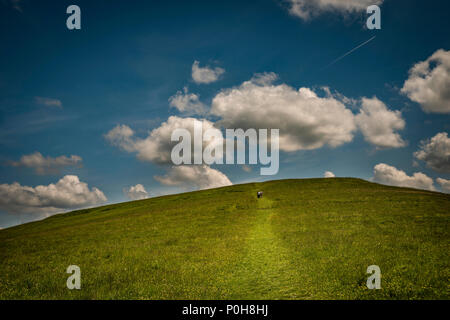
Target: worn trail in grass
x,y
266,270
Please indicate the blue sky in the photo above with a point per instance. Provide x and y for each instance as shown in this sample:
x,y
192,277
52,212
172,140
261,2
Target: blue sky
x,y
127,60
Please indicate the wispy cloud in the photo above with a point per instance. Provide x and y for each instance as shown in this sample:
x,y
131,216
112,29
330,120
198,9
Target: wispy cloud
x,y
48,102
307,9
47,165
15,4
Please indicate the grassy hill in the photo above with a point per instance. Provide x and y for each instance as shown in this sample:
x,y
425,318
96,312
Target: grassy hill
x,y
305,239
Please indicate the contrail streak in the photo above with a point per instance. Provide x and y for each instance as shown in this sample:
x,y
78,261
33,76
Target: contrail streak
x,y
346,54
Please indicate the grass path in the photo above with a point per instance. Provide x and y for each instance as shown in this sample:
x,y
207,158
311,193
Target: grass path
x,y
266,272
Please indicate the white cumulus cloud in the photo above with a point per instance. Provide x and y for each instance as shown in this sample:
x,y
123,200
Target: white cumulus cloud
x,y
122,136
429,83
436,152
307,9
136,192
386,174
445,184
378,124
328,174
188,103
157,146
306,121
68,193
194,176
47,165
205,74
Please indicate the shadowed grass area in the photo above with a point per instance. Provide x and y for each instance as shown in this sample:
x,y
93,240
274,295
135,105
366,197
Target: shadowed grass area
x,y
305,239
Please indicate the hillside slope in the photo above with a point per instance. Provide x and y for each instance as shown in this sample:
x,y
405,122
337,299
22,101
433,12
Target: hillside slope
x,y
305,239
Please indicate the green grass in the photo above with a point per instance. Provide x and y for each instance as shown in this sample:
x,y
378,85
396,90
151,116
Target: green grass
x,y
305,239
